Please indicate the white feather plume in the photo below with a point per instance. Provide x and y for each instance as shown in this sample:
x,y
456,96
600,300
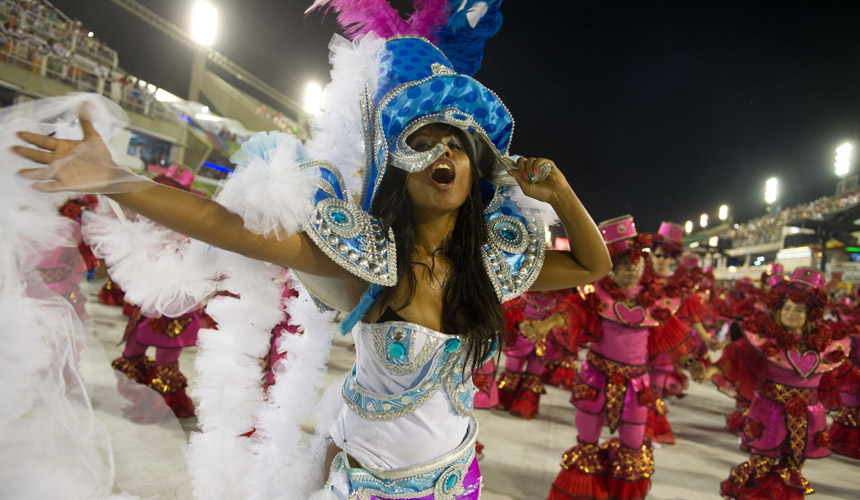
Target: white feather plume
x,y
267,189
336,131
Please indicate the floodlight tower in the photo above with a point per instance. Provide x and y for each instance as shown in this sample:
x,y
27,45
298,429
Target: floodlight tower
x,y
204,20
771,192
847,180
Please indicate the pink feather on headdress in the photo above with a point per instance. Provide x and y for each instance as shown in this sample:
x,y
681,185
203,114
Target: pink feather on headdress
x,y
358,17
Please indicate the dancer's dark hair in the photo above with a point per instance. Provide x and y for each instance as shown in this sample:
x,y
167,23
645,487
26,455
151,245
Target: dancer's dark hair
x,y
470,307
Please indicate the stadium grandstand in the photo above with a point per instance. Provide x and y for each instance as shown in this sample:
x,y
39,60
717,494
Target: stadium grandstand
x,y
45,53
820,233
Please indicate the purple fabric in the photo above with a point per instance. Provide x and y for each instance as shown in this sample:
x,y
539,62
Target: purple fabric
x,y
487,397
163,355
145,335
773,440
658,380
537,307
780,375
69,268
589,427
663,361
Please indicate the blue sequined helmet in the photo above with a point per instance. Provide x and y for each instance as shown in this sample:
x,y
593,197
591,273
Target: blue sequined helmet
x,y
417,85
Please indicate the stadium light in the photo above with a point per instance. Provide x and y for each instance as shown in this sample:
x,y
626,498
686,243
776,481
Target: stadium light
x,y
843,159
724,212
771,187
688,227
313,98
204,20
703,220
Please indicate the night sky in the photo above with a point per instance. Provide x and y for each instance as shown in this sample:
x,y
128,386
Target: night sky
x,y
663,110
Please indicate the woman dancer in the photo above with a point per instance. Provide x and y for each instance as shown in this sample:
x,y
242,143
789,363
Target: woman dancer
x,y
627,318
434,185
780,361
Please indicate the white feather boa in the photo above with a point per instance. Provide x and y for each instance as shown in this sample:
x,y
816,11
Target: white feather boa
x,y
267,189
280,444
229,372
186,270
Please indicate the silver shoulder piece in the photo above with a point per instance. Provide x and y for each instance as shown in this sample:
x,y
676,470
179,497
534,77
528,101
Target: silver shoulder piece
x,y
516,248
347,234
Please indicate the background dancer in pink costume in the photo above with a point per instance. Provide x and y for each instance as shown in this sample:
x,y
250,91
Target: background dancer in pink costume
x,y
168,335
780,362
840,389
62,269
526,348
627,318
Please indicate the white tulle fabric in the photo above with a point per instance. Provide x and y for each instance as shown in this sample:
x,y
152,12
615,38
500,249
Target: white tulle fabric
x,y
52,442
543,209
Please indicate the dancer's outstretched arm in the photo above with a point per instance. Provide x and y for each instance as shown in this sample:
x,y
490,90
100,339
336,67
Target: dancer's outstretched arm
x,y
588,259
86,166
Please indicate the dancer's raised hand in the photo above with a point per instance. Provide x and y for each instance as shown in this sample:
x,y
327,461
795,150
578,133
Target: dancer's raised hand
x,y
83,166
540,179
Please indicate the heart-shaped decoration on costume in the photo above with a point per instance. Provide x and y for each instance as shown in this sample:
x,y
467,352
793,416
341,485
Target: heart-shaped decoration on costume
x,y
804,363
630,315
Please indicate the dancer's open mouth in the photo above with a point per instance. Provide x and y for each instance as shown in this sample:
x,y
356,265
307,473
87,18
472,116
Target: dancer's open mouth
x,y
442,174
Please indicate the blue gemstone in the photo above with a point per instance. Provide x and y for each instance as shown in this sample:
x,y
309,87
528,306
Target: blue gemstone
x,y
338,217
452,480
397,350
452,345
508,233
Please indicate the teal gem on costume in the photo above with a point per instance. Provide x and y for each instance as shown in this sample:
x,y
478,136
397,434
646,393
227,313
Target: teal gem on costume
x,y
338,216
397,350
452,480
452,345
508,233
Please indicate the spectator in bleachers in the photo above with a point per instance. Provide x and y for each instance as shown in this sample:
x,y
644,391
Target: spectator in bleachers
x,y
768,228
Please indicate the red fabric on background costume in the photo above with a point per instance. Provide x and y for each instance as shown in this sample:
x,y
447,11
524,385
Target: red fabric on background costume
x,y
111,294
